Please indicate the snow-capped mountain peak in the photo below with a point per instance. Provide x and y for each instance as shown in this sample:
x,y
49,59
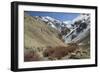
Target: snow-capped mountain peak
x,y
50,18
67,23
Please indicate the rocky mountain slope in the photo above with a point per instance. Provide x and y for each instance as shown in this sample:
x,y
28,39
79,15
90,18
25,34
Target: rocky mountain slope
x,y
39,34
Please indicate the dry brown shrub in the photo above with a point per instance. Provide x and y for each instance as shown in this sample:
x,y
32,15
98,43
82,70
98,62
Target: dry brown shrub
x,y
60,51
31,56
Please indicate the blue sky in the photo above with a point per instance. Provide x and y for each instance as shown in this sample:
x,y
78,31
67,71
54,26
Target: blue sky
x,y
57,15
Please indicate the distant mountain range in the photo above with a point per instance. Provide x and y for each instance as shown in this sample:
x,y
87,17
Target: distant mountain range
x,y
62,28
54,23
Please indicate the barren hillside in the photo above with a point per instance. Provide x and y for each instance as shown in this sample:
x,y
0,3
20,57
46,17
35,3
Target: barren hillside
x,y
39,34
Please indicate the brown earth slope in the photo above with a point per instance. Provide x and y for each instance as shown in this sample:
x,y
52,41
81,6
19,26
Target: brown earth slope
x,y
38,34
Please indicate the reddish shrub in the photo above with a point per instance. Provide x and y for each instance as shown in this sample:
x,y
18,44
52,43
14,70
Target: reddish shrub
x,y
60,51
31,56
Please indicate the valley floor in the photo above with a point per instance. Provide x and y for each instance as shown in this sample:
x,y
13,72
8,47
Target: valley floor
x,y
57,53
